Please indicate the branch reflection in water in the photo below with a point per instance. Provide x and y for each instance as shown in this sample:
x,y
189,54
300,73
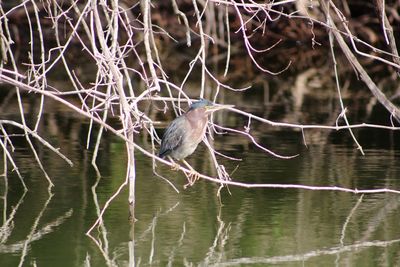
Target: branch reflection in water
x,y
35,234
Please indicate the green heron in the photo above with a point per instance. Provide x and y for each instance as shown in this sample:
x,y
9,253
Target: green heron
x,y
186,132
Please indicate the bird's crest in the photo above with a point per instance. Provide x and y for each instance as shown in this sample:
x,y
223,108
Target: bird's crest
x,y
200,104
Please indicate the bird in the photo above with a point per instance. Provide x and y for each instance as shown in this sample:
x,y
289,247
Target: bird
x,y
184,134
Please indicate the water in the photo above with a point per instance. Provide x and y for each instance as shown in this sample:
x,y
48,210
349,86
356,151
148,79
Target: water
x,y
196,227
252,227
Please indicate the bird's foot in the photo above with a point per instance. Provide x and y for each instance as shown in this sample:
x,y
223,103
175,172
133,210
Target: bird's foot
x,y
175,166
192,178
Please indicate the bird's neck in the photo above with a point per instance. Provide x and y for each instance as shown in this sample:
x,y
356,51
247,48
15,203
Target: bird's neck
x,y
197,118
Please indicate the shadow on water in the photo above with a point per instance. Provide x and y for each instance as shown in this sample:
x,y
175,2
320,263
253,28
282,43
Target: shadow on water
x,y
251,227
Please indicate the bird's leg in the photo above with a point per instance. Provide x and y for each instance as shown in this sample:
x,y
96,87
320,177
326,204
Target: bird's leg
x,y
193,175
175,166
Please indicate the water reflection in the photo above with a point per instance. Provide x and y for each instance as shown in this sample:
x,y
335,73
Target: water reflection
x,y
195,226
251,227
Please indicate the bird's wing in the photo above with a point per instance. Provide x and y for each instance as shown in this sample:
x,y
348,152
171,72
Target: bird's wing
x,y
173,136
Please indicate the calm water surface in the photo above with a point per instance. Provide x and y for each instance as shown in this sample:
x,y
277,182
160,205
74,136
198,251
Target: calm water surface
x,y
252,227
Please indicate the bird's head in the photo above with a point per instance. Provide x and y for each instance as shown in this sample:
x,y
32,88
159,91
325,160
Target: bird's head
x,y
208,106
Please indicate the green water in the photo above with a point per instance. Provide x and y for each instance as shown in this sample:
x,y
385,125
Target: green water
x,y
252,227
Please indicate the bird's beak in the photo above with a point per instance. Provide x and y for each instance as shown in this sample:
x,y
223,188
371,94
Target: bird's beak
x,y
216,107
